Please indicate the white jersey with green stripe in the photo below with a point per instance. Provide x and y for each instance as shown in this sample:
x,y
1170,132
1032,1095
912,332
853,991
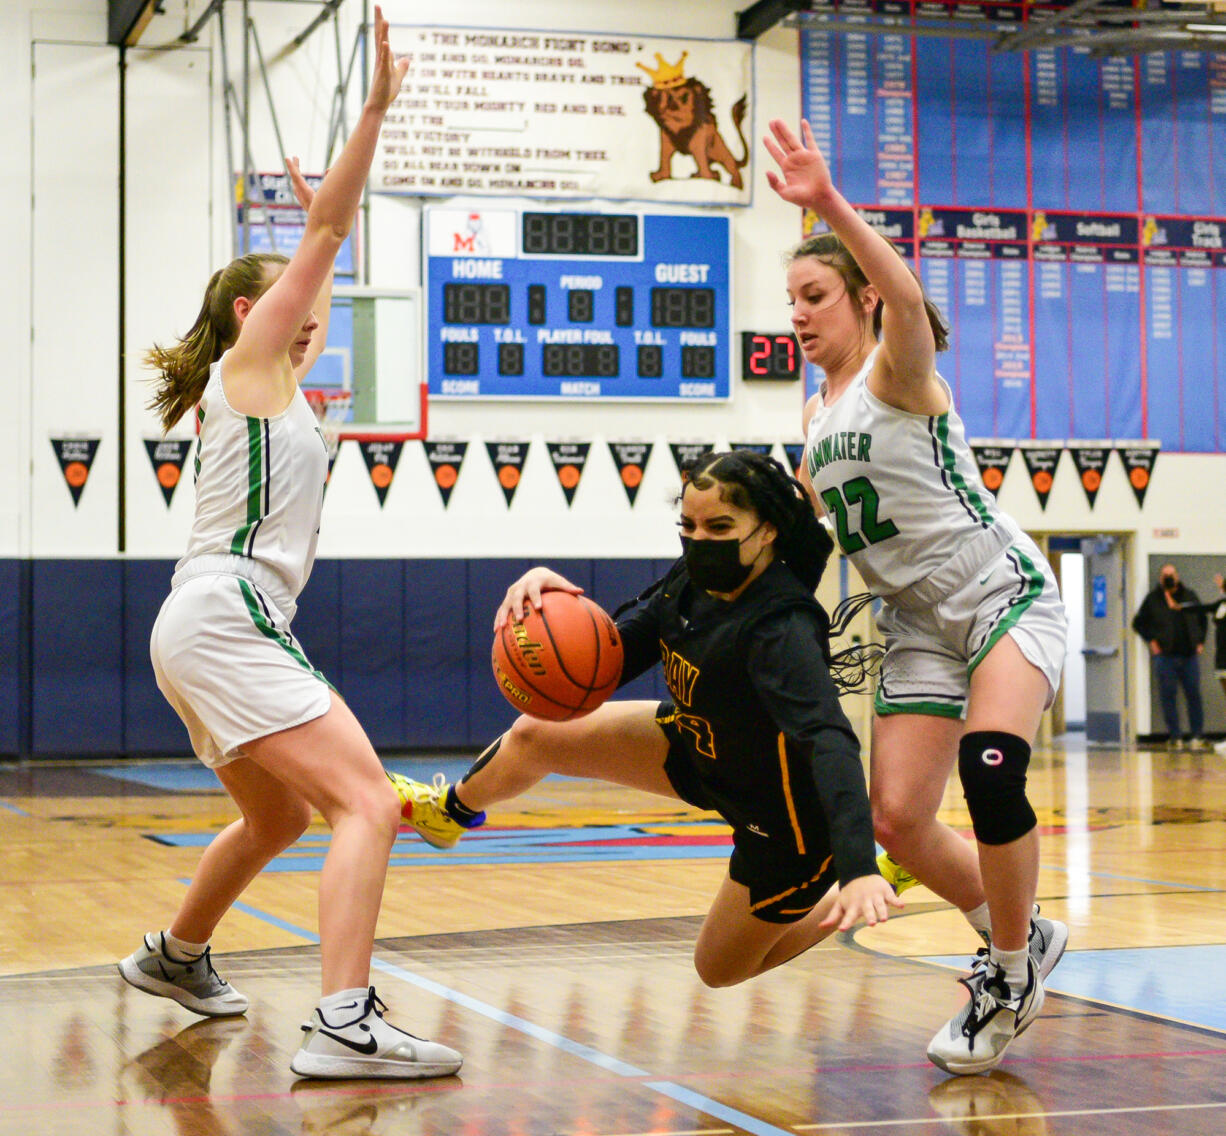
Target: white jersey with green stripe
x,y
902,490
259,487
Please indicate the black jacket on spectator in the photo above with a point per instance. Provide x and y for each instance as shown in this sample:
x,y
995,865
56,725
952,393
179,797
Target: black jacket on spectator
x,y
1178,631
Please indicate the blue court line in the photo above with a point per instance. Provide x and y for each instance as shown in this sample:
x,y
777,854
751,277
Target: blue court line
x,y
714,1108
558,1041
13,809
189,775
1185,984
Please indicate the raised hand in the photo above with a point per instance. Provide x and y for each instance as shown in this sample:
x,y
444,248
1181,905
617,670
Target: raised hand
x,y
302,189
388,72
803,178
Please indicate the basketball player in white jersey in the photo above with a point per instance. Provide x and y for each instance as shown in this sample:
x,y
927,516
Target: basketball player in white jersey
x,y
277,735
972,619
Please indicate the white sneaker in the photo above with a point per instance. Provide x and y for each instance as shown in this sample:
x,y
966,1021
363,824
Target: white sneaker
x,y
359,1043
193,984
1220,749
975,1039
1048,938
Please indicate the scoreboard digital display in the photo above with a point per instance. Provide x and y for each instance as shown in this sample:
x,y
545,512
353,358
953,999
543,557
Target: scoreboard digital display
x,y
576,305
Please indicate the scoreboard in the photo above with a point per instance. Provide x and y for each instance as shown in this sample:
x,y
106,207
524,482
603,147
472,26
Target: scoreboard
x,y
529,303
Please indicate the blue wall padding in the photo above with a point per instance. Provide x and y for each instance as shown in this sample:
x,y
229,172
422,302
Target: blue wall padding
x,y
406,642
150,725
77,657
434,650
372,602
13,664
615,582
317,625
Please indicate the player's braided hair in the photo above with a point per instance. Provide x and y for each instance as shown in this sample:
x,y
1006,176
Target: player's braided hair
x,y
757,482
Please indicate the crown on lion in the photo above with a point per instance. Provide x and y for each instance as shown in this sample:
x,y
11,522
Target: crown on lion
x,y
667,74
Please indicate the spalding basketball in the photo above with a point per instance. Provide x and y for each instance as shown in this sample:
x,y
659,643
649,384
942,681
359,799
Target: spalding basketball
x,y
560,662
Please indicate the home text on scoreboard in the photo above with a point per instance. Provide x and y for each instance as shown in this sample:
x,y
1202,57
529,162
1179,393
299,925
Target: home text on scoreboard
x,y
576,305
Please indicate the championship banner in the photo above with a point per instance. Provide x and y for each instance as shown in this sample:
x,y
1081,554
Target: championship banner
x,y
568,459
992,458
445,460
795,452
167,456
381,458
1139,459
508,460
1090,461
274,220
686,452
1041,461
75,456
558,114
631,460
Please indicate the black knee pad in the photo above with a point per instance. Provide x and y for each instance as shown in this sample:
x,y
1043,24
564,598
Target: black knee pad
x,y
992,767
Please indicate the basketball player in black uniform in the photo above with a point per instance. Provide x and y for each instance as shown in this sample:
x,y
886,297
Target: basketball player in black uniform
x,y
754,729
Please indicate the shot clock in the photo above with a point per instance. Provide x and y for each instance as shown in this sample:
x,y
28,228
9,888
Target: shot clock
x,y
525,303
770,355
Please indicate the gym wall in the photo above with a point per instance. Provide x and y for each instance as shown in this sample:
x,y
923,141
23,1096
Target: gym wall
x,y
398,610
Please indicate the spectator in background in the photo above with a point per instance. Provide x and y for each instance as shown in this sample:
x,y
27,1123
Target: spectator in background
x,y
1217,608
1175,631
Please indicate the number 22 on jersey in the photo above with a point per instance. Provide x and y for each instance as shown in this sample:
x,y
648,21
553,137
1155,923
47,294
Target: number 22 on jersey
x,y
872,529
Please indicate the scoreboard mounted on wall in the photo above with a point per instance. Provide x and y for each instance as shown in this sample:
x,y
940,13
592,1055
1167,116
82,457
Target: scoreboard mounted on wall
x,y
576,304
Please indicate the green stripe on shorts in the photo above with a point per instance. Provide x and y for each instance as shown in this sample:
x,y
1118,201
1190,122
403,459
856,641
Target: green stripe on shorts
x,y
1034,589
884,709
281,638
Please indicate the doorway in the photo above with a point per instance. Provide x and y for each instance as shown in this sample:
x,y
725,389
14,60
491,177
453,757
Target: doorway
x,y
1092,570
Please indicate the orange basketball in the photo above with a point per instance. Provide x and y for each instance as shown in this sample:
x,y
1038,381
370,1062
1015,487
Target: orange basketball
x,y
560,662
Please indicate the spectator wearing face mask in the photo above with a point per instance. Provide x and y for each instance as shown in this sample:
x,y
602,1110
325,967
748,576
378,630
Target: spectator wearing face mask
x,y
1176,637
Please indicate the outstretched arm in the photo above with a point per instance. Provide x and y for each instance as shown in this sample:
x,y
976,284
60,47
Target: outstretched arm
x,y
322,308
269,330
907,341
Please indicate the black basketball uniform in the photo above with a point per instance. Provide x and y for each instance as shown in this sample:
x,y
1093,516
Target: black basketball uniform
x,y
756,732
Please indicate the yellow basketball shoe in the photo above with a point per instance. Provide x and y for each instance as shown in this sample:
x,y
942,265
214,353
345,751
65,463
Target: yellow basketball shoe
x,y
895,874
423,807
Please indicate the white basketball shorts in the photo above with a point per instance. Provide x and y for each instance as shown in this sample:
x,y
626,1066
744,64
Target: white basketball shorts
x,y
225,659
933,648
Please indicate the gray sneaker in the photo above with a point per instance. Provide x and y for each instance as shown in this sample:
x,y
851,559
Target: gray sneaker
x,y
357,1042
975,1039
194,984
1048,938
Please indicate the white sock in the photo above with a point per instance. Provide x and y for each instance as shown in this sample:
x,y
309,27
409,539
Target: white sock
x,y
180,950
341,1005
1013,963
980,919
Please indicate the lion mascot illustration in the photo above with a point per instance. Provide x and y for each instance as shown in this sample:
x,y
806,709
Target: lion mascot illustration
x,y
681,108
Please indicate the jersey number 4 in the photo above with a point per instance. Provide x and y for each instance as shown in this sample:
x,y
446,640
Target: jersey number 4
x,y
873,529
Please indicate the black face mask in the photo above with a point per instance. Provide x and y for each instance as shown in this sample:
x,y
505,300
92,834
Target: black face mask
x,y
1168,582
715,565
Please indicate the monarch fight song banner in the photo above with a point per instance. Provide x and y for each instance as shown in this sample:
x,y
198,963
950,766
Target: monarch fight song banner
x,y
560,114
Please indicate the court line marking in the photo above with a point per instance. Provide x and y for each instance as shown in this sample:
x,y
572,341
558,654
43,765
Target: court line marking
x,y
13,809
574,1048
1010,1116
